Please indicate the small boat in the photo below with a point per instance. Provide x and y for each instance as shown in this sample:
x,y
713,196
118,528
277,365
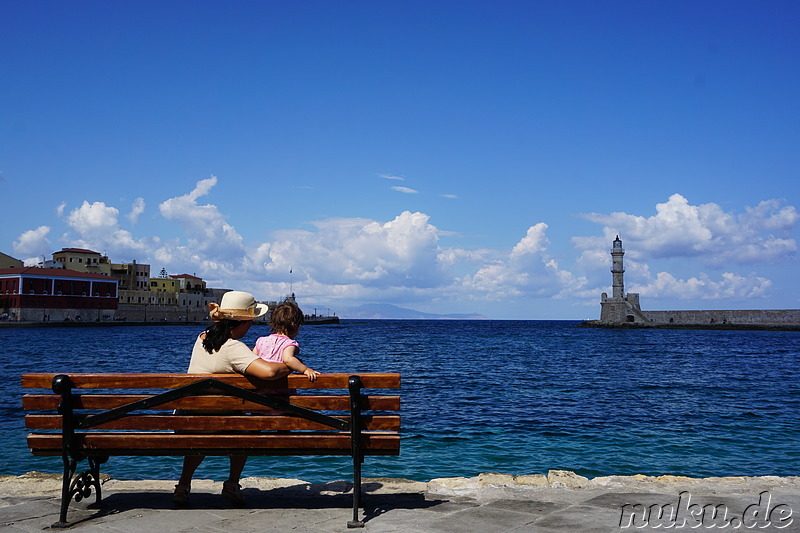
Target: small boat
x,y
316,320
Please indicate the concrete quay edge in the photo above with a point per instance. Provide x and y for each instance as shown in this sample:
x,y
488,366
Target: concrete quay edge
x,y
560,501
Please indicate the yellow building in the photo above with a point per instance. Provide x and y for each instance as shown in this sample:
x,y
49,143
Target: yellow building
x,y
191,283
165,284
82,260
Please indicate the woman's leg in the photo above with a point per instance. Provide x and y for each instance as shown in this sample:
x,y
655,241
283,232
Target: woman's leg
x,y
181,495
190,464
231,489
237,465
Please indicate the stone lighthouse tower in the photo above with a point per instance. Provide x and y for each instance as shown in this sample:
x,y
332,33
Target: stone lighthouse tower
x,y
620,307
617,270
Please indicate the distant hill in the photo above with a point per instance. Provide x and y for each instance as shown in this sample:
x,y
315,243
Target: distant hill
x,y
393,311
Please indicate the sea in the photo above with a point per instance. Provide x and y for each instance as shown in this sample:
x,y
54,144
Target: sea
x,y
516,397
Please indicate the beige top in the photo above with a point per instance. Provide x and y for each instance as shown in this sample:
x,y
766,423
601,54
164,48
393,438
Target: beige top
x,y
233,356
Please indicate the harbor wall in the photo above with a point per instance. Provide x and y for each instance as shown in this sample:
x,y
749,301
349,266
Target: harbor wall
x,y
781,317
26,314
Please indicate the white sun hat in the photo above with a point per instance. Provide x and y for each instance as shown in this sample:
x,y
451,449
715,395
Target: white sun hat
x,y
237,305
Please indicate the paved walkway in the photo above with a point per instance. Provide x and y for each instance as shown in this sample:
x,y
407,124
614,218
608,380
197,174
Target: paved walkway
x,y
558,502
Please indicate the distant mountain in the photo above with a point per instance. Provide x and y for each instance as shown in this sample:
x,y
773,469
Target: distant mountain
x,y
393,311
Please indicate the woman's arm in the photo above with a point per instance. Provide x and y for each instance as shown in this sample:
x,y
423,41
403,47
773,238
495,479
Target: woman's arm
x,y
268,371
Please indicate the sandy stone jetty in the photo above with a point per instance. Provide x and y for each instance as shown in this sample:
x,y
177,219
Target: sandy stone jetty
x,y
560,501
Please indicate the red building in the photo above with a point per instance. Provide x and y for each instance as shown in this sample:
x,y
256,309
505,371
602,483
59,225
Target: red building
x,y
48,294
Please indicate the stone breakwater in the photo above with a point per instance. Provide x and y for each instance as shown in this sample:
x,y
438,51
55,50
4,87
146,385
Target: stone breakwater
x,y
688,325
483,485
508,485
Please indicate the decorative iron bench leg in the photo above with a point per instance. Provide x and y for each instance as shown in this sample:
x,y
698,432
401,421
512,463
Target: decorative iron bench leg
x,y
92,479
66,496
79,486
73,486
355,386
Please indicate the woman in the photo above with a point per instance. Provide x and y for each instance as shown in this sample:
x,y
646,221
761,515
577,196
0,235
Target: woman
x,y
218,350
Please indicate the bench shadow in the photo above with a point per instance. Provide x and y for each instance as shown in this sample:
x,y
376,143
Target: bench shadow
x,y
335,495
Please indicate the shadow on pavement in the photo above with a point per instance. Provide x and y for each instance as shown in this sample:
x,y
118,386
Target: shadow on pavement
x,y
335,495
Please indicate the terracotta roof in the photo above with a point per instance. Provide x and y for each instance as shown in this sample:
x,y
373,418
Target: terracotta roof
x,y
186,276
54,273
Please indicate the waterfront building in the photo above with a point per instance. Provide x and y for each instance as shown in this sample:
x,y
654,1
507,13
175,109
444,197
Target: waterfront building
x,y
181,298
164,284
46,294
6,261
80,284
50,263
82,260
189,283
132,276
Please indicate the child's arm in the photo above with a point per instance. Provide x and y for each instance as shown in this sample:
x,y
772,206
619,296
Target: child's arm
x,y
291,360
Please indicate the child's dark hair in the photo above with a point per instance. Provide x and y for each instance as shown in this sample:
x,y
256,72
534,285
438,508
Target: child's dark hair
x,y
286,318
217,333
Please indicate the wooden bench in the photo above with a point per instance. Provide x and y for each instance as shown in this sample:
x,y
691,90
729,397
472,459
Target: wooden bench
x,y
95,416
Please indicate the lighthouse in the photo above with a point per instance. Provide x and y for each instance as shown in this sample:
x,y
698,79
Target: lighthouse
x,y
617,270
620,307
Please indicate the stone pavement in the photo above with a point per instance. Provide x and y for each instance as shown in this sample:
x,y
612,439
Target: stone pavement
x,y
558,502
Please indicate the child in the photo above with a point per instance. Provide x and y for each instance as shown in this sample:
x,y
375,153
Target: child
x,y
280,347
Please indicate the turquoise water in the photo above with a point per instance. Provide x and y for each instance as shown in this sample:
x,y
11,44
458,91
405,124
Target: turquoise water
x,y
518,397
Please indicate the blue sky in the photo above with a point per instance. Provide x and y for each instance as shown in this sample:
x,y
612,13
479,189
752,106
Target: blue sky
x,y
449,157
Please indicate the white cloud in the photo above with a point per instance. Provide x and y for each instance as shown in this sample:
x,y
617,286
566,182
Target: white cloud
x,y
527,270
208,232
33,242
703,288
136,210
402,260
388,177
449,196
534,242
770,215
679,229
405,190
401,252
399,260
97,228
92,218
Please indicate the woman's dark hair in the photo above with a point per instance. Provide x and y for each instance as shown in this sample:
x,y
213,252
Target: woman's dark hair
x,y
286,318
217,333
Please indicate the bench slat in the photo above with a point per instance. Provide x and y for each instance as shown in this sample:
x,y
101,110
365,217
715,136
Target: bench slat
x,y
110,401
103,444
216,423
172,381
